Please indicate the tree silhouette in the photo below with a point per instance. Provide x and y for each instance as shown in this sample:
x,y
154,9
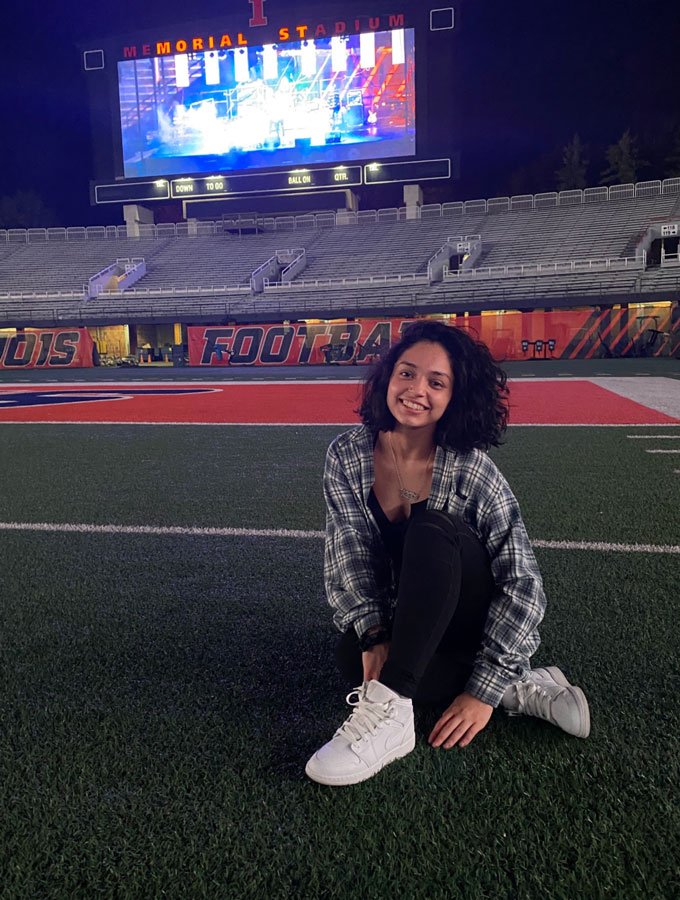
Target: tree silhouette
x,y
572,174
624,161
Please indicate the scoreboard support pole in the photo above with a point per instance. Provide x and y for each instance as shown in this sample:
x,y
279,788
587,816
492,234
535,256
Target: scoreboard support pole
x,y
135,215
413,200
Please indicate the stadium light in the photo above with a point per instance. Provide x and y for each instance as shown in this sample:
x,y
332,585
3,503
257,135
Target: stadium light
x,y
182,70
241,69
398,48
212,68
308,60
338,54
270,62
367,50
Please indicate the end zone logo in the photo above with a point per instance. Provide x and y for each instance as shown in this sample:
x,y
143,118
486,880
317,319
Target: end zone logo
x,y
19,399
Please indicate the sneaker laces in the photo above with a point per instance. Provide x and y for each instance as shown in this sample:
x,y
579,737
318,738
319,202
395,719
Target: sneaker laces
x,y
534,700
365,718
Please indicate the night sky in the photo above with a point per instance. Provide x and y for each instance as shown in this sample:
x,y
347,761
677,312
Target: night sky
x,y
533,74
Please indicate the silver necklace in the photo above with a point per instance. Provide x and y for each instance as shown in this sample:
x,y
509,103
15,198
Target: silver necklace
x,y
411,496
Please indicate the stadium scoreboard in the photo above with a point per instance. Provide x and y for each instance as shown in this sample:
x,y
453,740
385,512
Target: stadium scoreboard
x,y
274,97
227,185
270,182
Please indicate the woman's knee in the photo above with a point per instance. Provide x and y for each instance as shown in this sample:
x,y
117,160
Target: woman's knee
x,y
434,526
436,535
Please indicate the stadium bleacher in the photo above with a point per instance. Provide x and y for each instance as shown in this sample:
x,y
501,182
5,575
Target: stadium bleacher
x,y
548,248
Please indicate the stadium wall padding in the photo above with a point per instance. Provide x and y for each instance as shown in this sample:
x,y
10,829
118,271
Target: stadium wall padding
x,y
559,334
56,348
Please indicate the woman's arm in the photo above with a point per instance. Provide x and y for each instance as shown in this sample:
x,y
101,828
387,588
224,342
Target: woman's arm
x,y
518,605
510,635
356,572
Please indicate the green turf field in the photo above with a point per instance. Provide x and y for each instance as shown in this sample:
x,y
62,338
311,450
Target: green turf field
x,y
162,693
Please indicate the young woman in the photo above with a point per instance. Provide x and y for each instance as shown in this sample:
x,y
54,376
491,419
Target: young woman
x,y
427,562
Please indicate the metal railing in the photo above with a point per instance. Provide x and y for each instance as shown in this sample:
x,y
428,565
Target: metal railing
x,y
291,261
283,304
126,271
174,290
460,244
297,262
563,267
559,267
44,295
343,282
546,200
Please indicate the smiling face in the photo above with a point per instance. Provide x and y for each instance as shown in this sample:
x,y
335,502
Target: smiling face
x,y
421,386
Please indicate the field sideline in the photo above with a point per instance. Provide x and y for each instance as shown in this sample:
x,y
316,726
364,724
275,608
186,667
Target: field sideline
x,y
167,669
558,401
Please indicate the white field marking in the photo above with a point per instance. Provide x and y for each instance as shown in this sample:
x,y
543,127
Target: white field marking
x,y
606,546
653,437
193,424
321,424
590,425
296,534
286,380
159,530
662,451
656,392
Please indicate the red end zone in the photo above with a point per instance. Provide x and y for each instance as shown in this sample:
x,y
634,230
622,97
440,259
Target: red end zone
x,y
558,402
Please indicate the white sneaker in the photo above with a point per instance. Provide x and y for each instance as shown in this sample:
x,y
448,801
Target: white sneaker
x,y
378,731
547,694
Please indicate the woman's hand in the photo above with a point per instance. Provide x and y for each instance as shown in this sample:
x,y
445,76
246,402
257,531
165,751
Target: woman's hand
x,y
460,722
373,661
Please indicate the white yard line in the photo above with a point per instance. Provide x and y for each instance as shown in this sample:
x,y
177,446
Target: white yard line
x,y
662,451
74,527
606,546
172,530
653,437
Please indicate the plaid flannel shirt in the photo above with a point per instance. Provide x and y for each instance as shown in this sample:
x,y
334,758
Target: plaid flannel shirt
x,y
357,569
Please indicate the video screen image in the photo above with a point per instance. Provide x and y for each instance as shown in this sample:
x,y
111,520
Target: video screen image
x,y
330,100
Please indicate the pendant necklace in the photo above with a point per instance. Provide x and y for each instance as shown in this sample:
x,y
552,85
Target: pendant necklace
x,y
411,496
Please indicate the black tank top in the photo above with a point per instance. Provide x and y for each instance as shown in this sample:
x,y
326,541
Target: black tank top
x,y
393,533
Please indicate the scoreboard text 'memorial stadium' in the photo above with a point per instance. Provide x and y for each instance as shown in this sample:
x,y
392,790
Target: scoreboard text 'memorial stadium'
x,y
274,97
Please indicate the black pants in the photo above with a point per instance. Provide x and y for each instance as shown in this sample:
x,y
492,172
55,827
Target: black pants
x,y
445,587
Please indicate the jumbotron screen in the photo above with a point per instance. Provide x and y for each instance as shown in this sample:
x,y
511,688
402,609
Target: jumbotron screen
x,y
329,100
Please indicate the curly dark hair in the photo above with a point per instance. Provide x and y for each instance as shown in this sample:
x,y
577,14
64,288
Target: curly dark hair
x,y
477,414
